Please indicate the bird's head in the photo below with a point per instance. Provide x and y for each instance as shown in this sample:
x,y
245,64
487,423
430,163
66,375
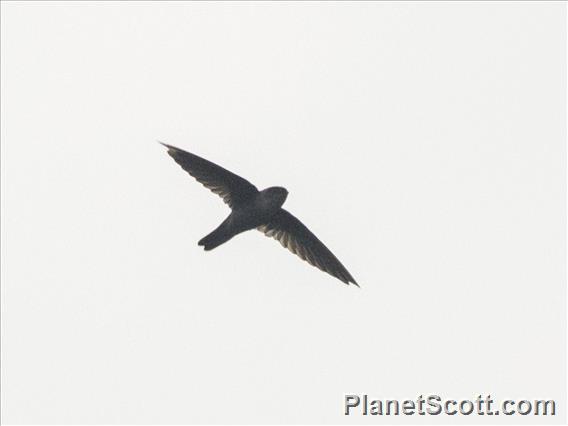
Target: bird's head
x,y
276,194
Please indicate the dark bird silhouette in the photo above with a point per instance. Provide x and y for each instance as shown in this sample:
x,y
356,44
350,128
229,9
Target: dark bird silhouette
x,y
251,208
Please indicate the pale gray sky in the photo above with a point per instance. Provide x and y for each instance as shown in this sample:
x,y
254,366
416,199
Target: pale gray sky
x,y
424,143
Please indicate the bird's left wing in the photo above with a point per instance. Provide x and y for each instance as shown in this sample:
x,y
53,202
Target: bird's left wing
x,y
297,238
233,189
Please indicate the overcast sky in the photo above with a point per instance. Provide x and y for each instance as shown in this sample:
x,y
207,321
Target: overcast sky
x,y
424,143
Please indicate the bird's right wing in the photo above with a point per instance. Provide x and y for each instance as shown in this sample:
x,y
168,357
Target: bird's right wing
x,y
233,189
297,238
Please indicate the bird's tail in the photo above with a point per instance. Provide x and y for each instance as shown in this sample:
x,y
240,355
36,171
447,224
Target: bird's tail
x,y
219,236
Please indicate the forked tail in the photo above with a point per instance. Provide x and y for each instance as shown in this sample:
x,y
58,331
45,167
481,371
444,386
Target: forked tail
x,y
220,235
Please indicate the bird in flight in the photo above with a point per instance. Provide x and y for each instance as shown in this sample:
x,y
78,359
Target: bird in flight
x,y
251,208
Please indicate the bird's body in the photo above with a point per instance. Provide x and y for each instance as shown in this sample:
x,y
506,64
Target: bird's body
x,y
254,209
259,210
